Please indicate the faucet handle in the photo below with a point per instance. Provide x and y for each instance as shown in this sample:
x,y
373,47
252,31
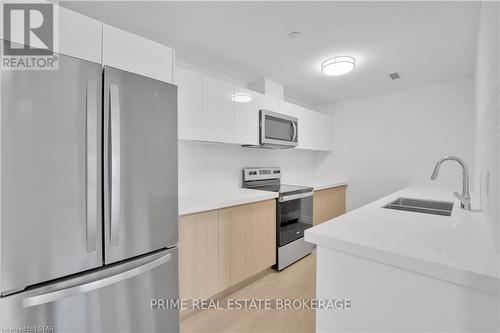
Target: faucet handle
x,y
465,202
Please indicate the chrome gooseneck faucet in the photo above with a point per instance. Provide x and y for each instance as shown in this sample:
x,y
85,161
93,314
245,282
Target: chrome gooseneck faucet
x,y
465,196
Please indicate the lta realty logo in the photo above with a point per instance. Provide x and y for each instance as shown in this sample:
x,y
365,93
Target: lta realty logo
x,y
29,36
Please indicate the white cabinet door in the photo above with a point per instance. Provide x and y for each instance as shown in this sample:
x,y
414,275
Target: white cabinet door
x,y
270,103
246,117
321,131
189,103
135,54
307,131
288,108
315,129
325,123
79,36
218,110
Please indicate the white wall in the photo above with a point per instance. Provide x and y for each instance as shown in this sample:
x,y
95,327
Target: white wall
x,y
207,166
386,142
487,84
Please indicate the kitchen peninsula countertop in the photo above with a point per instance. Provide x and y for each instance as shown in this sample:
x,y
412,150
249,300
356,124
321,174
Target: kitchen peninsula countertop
x,y
454,248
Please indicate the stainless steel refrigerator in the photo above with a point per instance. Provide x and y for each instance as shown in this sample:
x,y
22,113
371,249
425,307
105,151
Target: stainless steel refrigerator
x,y
88,228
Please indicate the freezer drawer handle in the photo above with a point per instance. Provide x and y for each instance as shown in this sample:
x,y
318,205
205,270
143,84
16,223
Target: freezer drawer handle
x,y
115,162
91,165
93,285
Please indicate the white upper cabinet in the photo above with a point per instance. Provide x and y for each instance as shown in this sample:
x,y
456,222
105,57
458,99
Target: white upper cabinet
x,y
270,103
79,36
189,96
217,110
136,54
207,112
323,128
307,131
290,110
246,117
315,129
82,37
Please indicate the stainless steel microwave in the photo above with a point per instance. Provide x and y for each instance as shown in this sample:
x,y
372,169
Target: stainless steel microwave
x,y
278,130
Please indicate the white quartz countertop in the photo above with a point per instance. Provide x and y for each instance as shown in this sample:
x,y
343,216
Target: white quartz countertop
x,y
454,248
323,185
191,203
201,202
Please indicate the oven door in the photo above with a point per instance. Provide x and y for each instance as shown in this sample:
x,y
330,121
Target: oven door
x,y
295,214
278,129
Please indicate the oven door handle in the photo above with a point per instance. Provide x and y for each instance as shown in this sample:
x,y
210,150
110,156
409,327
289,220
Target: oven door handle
x,y
295,196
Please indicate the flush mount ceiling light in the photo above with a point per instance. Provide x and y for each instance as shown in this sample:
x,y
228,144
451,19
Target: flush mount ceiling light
x,y
338,65
242,98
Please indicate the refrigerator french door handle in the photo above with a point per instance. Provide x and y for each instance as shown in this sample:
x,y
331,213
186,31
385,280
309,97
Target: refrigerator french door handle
x,y
91,195
114,106
93,285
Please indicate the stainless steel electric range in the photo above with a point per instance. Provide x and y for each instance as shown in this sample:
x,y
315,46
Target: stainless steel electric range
x,y
294,213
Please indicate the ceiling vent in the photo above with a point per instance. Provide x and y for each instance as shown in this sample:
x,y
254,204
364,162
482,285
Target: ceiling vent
x,y
394,76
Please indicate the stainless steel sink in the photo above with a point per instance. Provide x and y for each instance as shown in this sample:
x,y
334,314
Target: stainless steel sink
x,y
421,206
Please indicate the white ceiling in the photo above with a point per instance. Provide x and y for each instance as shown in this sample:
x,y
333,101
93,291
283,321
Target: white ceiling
x,y
424,41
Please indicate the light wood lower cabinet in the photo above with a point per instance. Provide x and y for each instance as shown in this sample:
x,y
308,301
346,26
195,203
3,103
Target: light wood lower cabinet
x,y
328,204
263,235
235,245
199,255
221,248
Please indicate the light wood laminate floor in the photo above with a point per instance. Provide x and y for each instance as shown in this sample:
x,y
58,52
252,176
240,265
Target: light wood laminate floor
x,y
295,282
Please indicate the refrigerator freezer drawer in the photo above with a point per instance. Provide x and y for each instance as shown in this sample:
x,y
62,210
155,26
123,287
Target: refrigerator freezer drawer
x,y
113,299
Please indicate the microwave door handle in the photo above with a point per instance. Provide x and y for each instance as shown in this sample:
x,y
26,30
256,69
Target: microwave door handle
x,y
294,126
93,285
115,162
91,165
